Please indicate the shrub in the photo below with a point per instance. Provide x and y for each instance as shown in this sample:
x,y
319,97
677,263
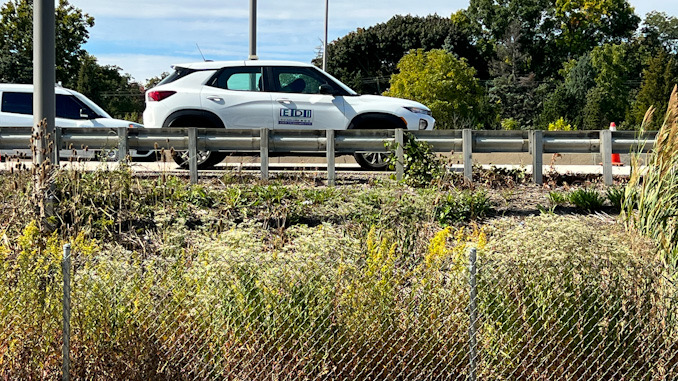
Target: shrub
x,y
458,207
572,291
421,165
560,125
586,199
510,124
615,195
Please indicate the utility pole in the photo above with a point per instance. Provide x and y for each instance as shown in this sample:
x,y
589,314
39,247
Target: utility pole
x,y
44,77
327,13
253,30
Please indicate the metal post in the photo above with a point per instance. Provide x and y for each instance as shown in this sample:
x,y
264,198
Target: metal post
x,y
331,168
193,154
57,146
473,315
253,30
66,349
44,77
327,13
467,151
400,154
123,145
606,153
537,150
263,141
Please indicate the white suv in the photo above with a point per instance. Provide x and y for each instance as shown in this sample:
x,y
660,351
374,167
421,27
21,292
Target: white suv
x,y
72,110
275,95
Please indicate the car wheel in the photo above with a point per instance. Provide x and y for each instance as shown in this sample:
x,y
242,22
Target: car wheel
x,y
372,161
206,159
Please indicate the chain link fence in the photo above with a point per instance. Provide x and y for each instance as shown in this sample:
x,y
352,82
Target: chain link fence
x,y
238,316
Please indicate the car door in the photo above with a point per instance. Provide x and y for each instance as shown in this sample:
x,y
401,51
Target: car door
x,y
298,103
237,95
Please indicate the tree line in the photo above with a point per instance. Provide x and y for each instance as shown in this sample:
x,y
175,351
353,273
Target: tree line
x,y
519,64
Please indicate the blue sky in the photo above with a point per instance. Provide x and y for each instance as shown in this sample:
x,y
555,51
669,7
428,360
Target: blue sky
x,y
145,37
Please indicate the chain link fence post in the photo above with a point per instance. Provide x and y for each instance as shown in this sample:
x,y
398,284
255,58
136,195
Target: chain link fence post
x,y
65,353
473,315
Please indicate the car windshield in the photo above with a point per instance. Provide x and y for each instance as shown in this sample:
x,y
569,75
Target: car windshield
x,y
97,112
343,86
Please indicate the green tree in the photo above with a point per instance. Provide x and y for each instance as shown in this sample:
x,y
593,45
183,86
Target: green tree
x,y
109,88
529,21
659,29
569,97
617,69
16,28
659,78
444,83
553,31
366,58
585,24
518,98
153,82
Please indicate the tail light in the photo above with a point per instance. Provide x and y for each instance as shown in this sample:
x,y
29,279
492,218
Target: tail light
x,y
157,96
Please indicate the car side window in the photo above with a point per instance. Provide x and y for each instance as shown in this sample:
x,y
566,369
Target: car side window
x,y
245,78
17,103
301,80
69,108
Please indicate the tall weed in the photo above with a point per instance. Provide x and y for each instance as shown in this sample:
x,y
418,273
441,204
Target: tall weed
x,y
651,196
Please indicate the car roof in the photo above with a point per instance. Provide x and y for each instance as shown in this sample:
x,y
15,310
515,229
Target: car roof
x,y
207,65
29,88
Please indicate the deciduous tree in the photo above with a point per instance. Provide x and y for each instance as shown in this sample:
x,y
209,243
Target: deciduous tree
x,y
444,83
16,46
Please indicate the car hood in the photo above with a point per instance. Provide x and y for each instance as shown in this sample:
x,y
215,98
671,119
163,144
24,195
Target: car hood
x,y
384,100
106,123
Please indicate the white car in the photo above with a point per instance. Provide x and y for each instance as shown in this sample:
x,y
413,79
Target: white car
x,y
72,110
274,95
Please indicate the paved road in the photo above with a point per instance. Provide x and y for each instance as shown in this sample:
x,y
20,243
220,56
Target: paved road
x,y
250,165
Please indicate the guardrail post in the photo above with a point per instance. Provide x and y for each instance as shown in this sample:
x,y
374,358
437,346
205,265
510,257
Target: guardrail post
x,y
331,168
467,151
263,141
537,151
57,146
66,333
193,154
606,153
473,315
123,146
400,154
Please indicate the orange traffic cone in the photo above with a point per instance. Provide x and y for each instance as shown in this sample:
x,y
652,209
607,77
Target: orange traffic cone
x,y
616,160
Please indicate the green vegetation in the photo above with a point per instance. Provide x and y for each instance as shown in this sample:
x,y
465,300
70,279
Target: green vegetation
x,y
589,62
245,277
445,83
651,198
422,167
587,199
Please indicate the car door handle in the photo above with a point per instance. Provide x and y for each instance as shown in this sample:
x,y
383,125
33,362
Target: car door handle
x,y
215,98
284,101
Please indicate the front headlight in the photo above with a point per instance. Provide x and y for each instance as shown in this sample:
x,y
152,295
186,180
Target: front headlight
x,y
418,110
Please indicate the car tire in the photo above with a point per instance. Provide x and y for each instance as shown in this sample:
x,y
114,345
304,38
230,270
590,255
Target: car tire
x,y
372,161
206,159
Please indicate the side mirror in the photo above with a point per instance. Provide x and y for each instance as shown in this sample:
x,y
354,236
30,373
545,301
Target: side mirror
x,y
326,89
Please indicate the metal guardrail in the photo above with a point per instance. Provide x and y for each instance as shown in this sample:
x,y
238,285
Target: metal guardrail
x,y
264,142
